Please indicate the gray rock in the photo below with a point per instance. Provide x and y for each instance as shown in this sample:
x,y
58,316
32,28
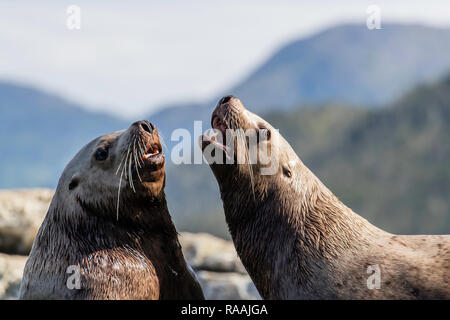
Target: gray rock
x,y
21,214
11,270
206,252
227,286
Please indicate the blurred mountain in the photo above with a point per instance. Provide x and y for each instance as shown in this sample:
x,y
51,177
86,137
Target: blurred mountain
x,y
40,133
349,64
392,165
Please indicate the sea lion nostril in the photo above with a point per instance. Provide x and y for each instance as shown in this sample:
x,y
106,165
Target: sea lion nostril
x,y
225,99
147,127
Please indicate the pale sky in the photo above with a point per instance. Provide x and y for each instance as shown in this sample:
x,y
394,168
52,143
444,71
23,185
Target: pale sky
x,y
132,57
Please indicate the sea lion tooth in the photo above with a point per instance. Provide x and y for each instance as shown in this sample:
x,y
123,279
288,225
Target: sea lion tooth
x,y
208,133
214,135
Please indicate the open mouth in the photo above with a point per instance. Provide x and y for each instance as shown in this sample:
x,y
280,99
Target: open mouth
x,y
151,156
217,135
150,160
143,156
153,151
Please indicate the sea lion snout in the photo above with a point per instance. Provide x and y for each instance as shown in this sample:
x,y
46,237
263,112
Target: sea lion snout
x,y
144,125
142,145
144,137
224,120
228,104
226,99
227,108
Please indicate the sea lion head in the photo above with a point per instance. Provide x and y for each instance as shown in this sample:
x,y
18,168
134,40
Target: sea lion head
x,y
256,156
114,168
266,199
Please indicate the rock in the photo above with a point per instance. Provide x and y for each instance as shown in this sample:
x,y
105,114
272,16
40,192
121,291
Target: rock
x,y
227,286
206,252
21,214
11,270
218,267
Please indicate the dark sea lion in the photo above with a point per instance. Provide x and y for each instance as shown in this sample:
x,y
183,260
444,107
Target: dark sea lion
x,y
108,233
297,240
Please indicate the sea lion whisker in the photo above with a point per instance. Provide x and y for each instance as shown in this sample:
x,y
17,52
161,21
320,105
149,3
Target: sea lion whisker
x,y
141,146
120,164
126,161
141,154
130,175
136,158
124,167
118,194
138,165
138,174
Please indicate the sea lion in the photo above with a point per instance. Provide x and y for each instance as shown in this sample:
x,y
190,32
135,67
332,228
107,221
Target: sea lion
x,y
297,240
108,233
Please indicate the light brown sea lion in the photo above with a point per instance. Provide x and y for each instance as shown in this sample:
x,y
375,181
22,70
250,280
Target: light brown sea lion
x,y
108,223
298,241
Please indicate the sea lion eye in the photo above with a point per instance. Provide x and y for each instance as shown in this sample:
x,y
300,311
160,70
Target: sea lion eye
x,y
74,183
264,134
101,154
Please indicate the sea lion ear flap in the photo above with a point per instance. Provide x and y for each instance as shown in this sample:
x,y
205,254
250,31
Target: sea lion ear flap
x,y
74,181
288,168
287,171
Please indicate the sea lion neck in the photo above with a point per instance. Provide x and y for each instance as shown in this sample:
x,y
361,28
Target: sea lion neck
x,y
303,232
145,214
